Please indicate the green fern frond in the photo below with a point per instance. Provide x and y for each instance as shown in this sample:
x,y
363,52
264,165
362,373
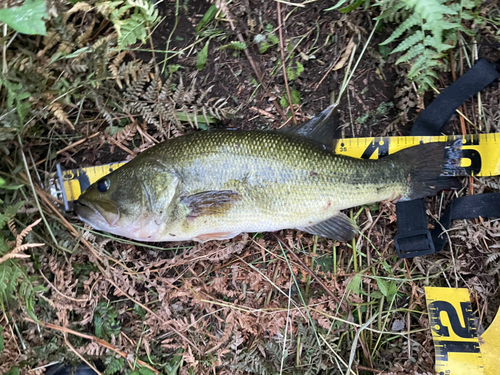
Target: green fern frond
x,y
422,62
410,42
417,50
15,282
391,10
428,29
411,21
132,30
136,27
131,19
427,34
8,214
427,80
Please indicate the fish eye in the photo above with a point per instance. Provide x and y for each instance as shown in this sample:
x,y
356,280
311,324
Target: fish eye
x,y
103,185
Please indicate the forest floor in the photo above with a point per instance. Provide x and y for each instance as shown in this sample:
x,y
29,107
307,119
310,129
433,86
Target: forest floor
x,y
243,305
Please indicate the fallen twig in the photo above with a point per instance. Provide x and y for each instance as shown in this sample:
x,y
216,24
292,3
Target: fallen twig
x,y
69,147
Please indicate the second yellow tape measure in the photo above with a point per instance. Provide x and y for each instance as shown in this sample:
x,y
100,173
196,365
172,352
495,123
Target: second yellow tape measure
x,y
481,157
454,332
459,350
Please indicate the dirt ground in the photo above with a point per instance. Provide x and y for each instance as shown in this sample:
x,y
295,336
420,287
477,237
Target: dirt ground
x,y
247,306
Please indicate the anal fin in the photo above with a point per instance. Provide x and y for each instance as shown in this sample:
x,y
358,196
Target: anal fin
x,y
338,227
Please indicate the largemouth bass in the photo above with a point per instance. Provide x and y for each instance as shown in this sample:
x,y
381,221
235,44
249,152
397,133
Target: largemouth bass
x,y
213,185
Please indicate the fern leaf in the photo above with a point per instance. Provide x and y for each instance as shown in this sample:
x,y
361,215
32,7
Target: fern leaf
x,y
131,30
126,134
58,111
392,11
135,90
428,33
80,6
149,116
12,227
115,66
422,65
189,95
141,16
425,81
154,89
410,42
432,11
9,213
84,38
203,95
74,69
411,21
417,50
179,92
172,116
492,257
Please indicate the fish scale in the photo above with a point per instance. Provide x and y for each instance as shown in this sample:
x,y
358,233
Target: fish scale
x,y
277,172
217,184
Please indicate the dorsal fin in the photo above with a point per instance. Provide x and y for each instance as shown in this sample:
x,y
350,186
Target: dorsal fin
x,y
324,128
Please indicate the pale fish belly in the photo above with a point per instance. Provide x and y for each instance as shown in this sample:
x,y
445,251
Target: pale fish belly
x,y
273,214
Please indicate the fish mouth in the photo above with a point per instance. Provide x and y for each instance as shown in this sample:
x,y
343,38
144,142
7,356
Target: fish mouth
x,y
97,213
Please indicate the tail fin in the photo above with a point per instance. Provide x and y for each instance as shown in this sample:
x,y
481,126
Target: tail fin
x,y
430,168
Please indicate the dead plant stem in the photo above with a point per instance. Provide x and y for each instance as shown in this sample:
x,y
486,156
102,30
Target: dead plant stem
x,y
283,63
68,344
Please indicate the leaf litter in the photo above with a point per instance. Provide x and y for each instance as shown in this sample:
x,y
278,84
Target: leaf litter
x,y
244,305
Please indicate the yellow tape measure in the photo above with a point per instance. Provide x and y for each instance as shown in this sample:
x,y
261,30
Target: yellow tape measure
x,y
459,351
480,152
481,157
454,332
69,185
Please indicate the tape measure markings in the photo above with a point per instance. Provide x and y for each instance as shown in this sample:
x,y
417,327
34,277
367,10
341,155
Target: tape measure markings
x,y
454,332
481,152
75,181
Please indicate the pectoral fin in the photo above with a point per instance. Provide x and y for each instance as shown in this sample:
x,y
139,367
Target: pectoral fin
x,y
338,227
210,202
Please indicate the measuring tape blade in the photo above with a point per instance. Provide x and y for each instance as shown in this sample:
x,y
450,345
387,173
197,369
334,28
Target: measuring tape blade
x,y
490,347
481,157
454,332
480,152
68,185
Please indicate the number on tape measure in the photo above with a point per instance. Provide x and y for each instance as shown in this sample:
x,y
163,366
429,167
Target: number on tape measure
x,y
453,331
480,152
